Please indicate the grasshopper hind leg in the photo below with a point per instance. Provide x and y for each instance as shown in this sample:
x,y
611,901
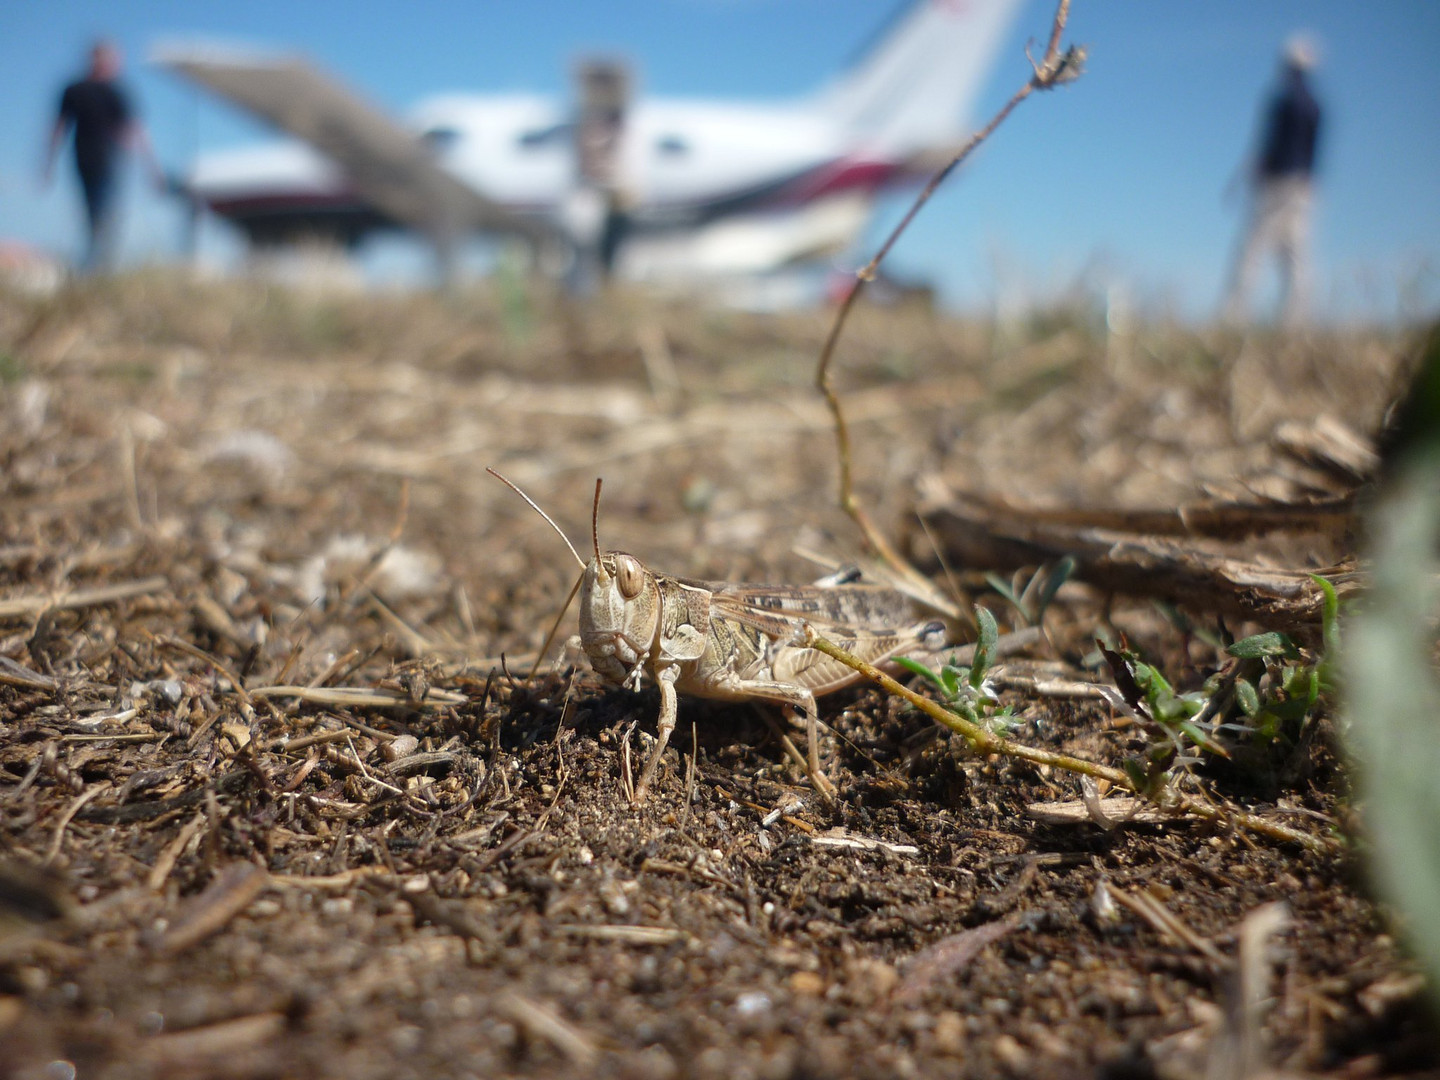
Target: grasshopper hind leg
x,y
795,699
812,739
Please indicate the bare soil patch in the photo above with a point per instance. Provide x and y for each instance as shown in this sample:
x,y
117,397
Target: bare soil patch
x,y
212,879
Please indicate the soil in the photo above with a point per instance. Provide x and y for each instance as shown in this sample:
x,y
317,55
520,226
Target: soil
x,y
204,877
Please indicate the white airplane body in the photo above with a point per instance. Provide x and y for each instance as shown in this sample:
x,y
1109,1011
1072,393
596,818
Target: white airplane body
x,y
710,188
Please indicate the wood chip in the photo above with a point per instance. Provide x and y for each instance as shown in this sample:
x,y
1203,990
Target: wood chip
x,y
232,891
1121,808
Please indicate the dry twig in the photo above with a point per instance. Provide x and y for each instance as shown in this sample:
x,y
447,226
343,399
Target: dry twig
x,y
1054,68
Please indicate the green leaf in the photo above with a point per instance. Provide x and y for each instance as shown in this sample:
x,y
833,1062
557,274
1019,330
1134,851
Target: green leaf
x,y
1290,709
1003,587
1273,643
1330,623
1135,771
950,678
1247,697
984,647
1303,684
917,668
1202,740
1059,574
1152,682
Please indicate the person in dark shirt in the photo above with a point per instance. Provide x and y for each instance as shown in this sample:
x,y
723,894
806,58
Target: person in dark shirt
x,y
99,111
1282,189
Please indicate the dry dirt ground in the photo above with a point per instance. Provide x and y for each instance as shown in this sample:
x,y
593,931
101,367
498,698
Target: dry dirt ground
x,y
207,491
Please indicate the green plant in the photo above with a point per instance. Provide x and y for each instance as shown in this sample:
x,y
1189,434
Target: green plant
x,y
12,368
1391,690
964,690
1032,597
1266,695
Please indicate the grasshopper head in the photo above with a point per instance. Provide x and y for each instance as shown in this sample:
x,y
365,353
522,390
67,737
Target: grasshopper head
x,y
619,615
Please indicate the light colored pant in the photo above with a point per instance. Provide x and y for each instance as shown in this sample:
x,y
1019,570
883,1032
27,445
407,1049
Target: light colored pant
x,y
1279,224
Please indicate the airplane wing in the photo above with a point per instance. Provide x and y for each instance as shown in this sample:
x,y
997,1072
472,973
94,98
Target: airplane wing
x,y
385,163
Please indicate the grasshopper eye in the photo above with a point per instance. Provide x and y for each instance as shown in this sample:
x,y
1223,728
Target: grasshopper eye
x,y
631,576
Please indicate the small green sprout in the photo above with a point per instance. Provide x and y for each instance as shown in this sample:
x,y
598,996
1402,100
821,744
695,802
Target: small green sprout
x,y
1033,597
964,690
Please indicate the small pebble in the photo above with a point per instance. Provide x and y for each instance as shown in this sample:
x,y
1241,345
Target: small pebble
x,y
753,1003
807,983
399,747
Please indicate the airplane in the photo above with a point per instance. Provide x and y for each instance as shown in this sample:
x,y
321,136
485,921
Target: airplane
x,y
651,189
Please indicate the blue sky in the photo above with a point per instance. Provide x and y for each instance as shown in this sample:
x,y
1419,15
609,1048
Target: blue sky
x,y
1118,177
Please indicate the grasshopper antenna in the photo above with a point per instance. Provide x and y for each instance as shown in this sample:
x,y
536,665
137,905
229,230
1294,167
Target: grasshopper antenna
x,y
554,629
595,520
543,514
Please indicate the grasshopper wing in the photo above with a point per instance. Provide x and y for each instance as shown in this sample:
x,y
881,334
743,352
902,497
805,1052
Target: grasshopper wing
x,y
873,622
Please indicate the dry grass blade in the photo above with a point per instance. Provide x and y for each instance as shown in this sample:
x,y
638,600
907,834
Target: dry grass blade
x,y
1168,923
360,697
65,819
13,674
1253,973
949,956
627,935
160,872
200,1047
237,685
540,1022
80,598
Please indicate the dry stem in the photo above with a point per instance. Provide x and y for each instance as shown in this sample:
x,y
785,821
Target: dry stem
x,y
1054,68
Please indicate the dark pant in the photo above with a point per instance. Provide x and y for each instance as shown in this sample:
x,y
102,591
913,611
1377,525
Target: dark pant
x,y
98,185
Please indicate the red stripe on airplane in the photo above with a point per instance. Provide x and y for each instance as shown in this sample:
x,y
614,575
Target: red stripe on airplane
x,y
848,175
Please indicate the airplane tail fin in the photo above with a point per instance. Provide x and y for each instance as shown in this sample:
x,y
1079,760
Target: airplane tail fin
x,y
914,86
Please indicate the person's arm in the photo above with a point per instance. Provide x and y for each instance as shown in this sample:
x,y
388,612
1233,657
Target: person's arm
x,y
57,136
137,140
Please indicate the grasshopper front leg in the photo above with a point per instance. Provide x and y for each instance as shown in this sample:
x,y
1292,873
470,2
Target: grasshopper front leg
x,y
669,706
786,694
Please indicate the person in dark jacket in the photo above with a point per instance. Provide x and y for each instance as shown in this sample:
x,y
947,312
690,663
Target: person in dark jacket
x,y
1282,190
97,108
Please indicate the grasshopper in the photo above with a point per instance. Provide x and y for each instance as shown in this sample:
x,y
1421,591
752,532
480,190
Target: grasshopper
x,y
731,642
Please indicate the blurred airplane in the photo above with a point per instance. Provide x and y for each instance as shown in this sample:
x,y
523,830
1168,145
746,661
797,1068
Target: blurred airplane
x,y
654,188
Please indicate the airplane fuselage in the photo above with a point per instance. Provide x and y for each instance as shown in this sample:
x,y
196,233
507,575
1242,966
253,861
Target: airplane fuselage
x,y
697,187
682,165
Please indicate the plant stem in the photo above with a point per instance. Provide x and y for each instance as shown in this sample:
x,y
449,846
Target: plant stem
x,y
1046,75
983,741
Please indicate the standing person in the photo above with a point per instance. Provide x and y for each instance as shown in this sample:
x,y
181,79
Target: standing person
x,y
97,107
1282,189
